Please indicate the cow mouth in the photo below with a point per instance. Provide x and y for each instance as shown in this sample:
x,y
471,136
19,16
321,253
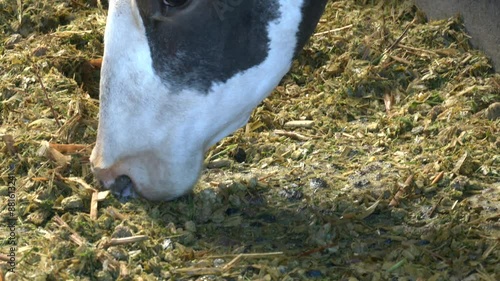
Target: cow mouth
x,y
147,176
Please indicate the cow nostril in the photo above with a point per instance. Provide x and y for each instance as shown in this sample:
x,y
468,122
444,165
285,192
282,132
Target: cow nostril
x,y
123,187
121,182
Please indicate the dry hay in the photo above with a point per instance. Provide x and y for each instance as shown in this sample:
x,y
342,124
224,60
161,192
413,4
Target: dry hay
x,y
375,159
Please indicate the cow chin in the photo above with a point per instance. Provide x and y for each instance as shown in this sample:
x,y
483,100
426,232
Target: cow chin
x,y
147,176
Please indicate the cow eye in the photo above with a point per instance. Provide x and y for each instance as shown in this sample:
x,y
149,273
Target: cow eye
x,y
174,3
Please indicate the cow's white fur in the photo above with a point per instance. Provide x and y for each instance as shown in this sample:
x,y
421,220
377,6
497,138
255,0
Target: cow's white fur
x,y
159,138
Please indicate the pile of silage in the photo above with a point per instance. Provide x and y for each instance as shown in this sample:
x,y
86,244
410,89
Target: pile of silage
x,y
376,158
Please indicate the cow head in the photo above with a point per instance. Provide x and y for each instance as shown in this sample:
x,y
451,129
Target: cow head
x,y
179,75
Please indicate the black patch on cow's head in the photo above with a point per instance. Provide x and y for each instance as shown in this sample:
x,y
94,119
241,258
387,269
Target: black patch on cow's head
x,y
311,13
201,42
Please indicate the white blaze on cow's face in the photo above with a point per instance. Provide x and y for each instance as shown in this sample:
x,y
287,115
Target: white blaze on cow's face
x,y
179,75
